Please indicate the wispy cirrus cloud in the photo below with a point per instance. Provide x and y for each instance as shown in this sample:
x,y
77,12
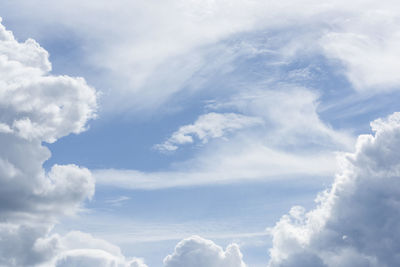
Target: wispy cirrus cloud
x,y
208,126
170,54
281,136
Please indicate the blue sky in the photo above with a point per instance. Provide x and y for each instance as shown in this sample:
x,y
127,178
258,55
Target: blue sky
x,y
199,118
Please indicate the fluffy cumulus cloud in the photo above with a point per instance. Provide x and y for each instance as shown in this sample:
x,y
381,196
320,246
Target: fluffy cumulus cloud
x,y
356,221
198,252
38,107
210,125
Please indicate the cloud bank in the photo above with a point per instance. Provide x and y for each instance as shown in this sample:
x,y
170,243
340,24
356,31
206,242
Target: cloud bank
x,y
356,221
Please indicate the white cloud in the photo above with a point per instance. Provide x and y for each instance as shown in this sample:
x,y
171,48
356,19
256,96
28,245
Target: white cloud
x,y
208,126
154,49
287,139
152,40
198,252
291,116
37,107
4,128
118,201
257,162
94,258
355,221
368,45
80,249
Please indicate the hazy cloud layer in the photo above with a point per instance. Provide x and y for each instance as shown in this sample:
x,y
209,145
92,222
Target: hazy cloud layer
x,y
356,221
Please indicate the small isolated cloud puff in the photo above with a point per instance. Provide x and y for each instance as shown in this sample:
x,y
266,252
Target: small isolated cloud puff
x,y
356,221
198,252
207,126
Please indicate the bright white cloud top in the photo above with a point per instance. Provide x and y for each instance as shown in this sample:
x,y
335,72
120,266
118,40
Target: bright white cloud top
x,y
355,223
198,252
244,98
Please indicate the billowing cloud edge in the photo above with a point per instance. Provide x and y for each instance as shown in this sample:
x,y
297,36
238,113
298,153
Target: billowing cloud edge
x,y
355,221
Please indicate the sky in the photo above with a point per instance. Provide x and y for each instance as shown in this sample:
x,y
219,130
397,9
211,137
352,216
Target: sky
x,y
210,133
